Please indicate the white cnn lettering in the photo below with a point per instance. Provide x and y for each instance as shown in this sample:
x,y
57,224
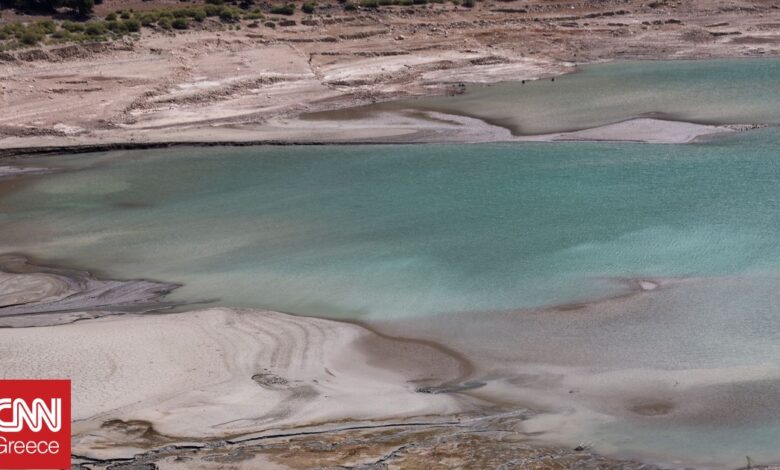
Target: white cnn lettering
x,y
34,416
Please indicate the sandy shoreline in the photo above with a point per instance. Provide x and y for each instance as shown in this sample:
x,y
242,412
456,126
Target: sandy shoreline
x,y
151,386
399,129
199,387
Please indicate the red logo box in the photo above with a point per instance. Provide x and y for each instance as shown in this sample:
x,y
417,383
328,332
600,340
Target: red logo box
x,y
34,424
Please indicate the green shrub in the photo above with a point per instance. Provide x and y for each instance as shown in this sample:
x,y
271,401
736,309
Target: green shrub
x,y
116,27
254,15
147,19
95,28
132,25
30,37
180,23
48,26
227,16
111,16
72,27
198,14
61,35
309,7
270,24
349,6
469,3
287,9
125,15
369,3
213,10
164,23
182,13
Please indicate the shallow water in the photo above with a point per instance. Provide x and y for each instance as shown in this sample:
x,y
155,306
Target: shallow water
x,y
384,231
710,92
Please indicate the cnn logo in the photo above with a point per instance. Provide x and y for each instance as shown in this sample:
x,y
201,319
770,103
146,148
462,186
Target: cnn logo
x,y
34,424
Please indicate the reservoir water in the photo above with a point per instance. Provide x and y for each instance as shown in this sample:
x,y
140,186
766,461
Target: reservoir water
x,y
443,231
733,91
384,231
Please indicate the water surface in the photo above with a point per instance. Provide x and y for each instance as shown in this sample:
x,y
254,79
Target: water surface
x,y
733,91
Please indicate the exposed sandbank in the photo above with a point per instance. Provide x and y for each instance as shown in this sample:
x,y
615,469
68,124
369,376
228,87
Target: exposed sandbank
x,y
8,171
396,128
216,382
206,388
220,373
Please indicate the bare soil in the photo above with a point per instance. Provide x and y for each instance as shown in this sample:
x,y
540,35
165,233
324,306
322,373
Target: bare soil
x,y
219,85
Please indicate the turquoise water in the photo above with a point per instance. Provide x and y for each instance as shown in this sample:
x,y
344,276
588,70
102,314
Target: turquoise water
x,y
387,231
710,92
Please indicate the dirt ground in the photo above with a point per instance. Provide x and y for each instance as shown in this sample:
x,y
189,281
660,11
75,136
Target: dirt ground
x,y
215,84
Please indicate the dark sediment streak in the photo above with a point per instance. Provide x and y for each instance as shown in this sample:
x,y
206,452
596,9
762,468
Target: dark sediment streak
x,y
73,295
11,153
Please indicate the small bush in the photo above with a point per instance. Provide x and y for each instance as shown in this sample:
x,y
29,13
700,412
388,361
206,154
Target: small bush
x,y
180,23
47,26
287,9
198,14
132,25
95,28
227,16
30,37
369,3
469,3
349,6
116,27
270,24
254,15
148,19
309,7
213,10
61,35
72,27
125,15
164,22
111,16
